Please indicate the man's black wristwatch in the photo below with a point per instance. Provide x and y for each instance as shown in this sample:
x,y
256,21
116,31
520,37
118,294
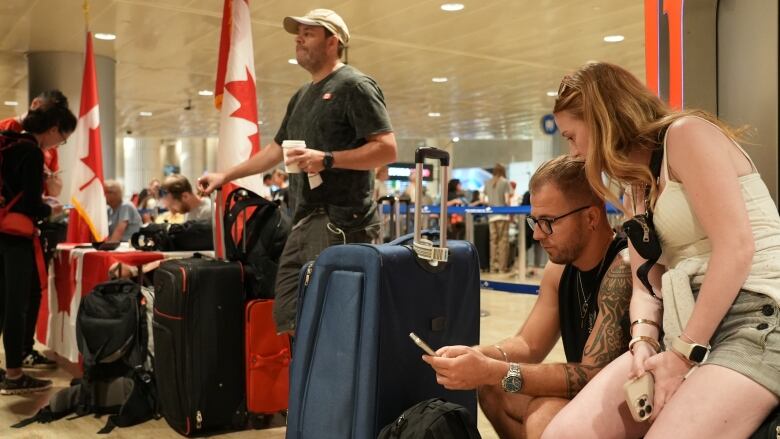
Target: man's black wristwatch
x,y
327,161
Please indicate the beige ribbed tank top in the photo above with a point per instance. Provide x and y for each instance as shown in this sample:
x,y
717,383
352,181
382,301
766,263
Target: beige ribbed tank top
x,y
687,247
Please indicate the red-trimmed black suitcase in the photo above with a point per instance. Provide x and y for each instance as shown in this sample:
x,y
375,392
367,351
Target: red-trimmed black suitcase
x,y
198,338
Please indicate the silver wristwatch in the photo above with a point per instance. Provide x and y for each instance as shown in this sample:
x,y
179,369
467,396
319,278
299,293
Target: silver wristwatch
x,y
513,381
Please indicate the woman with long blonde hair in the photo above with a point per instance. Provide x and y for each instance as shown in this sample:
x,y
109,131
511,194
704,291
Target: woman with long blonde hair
x,y
697,194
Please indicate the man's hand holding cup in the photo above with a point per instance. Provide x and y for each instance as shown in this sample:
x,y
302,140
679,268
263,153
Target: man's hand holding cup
x,y
298,158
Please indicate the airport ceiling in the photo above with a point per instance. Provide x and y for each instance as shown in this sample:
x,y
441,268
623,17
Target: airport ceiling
x,y
500,57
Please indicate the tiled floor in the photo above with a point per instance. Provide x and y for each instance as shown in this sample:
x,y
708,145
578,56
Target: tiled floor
x,y
505,313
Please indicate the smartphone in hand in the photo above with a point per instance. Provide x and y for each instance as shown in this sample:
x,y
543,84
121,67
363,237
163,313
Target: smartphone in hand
x,y
424,346
639,396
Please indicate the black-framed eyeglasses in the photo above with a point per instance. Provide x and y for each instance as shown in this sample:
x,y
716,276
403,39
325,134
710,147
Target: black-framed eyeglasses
x,y
545,224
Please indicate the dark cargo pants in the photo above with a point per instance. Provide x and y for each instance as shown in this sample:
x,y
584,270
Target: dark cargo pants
x,y
307,239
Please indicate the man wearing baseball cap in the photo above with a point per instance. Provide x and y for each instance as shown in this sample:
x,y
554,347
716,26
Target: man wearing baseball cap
x,y
341,115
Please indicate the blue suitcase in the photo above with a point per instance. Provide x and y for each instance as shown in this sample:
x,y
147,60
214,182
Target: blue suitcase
x,y
354,367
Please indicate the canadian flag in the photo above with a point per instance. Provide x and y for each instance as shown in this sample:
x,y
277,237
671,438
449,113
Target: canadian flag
x,y
236,97
88,220
235,94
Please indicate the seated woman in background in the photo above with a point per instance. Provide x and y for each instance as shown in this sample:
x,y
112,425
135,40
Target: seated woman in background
x,y
719,231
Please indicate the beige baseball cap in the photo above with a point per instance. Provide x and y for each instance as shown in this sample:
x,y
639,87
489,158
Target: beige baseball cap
x,y
320,17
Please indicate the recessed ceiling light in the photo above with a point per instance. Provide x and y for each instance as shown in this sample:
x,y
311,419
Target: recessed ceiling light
x,y
145,113
452,7
106,37
614,38
552,94
434,114
260,122
456,139
439,79
206,93
11,103
292,61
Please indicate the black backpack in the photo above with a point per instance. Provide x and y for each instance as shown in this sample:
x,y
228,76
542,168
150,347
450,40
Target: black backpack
x,y
261,239
112,335
189,236
432,419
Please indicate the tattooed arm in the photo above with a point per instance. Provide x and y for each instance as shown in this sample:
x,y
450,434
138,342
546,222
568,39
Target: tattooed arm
x,y
608,340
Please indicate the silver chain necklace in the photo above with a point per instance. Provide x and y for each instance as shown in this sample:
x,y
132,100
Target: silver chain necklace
x,y
584,299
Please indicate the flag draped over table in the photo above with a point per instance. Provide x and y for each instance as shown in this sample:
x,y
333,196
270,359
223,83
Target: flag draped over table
x,y
88,220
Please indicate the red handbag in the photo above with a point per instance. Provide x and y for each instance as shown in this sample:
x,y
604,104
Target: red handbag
x,y
267,360
14,223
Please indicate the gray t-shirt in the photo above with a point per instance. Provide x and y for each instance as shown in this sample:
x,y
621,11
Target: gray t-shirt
x,y
497,195
338,113
200,213
125,212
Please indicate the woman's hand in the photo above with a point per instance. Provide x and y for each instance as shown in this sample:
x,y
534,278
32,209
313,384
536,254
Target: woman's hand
x,y
669,370
641,351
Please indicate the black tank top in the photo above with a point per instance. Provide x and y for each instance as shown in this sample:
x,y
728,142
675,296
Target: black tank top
x,y
578,301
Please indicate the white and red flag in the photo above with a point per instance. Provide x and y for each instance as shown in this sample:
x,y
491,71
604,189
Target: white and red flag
x,y
236,98
235,94
88,220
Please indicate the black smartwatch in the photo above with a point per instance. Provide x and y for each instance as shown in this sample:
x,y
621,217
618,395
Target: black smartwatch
x,y
327,161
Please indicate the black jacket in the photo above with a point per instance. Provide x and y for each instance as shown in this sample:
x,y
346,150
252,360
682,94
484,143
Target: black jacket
x,y
22,171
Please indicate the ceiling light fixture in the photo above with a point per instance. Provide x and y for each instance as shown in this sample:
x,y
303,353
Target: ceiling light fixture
x,y
206,93
614,38
145,113
552,94
439,79
260,122
455,139
11,103
292,61
434,114
452,7
105,37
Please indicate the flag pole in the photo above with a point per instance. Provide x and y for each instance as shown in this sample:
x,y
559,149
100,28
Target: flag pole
x,y
85,8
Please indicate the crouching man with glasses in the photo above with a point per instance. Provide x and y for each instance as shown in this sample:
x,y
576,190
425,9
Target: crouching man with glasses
x,y
583,299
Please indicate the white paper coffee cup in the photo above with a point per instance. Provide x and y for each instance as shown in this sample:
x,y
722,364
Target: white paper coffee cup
x,y
288,145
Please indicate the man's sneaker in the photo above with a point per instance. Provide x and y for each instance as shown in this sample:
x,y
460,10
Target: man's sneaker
x,y
22,385
35,360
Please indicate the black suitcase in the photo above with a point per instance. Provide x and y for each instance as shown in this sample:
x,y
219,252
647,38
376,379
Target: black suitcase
x,y
199,343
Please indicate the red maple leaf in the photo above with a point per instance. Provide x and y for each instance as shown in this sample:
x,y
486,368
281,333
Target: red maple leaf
x,y
245,92
94,159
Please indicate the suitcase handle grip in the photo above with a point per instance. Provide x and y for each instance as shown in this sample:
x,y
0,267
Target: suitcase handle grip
x,y
429,152
424,248
279,359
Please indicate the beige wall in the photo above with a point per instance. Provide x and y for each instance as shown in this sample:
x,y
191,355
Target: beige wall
x,y
747,78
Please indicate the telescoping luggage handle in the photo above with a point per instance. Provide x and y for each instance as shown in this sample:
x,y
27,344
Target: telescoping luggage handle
x,y
424,248
395,215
